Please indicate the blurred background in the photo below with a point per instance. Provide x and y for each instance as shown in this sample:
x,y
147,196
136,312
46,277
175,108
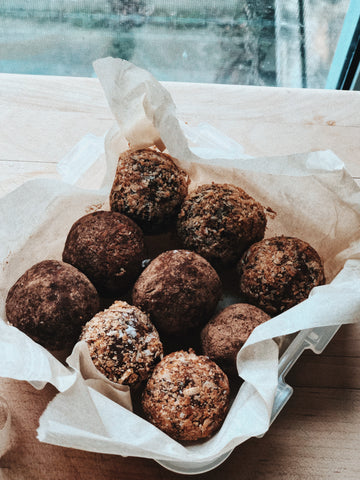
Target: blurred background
x,y
291,43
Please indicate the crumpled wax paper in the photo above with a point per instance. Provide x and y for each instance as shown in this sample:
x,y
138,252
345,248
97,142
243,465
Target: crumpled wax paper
x,y
314,199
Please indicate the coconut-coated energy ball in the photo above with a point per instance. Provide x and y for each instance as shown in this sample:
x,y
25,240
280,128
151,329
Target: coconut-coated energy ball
x,y
148,187
50,302
279,272
187,396
180,291
219,221
226,333
108,248
123,344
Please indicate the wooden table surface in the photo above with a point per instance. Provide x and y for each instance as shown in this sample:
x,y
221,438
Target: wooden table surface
x,y
317,434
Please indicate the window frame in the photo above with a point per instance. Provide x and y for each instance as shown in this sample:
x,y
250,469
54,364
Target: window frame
x,y
344,70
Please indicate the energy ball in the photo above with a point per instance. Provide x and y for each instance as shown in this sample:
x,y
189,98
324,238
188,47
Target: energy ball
x,y
123,344
279,272
50,302
180,291
220,221
108,248
149,188
226,333
187,396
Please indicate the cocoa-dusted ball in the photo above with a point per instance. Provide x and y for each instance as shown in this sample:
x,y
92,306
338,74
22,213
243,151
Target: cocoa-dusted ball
x,y
187,396
219,221
123,344
279,272
180,291
149,188
108,248
226,333
50,302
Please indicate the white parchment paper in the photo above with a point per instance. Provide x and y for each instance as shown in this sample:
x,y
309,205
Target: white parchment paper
x,y
314,199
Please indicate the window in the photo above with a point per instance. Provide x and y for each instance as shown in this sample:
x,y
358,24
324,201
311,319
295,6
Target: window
x,y
344,71
254,42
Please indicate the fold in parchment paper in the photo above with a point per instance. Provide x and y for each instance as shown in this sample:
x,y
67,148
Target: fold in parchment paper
x,y
314,199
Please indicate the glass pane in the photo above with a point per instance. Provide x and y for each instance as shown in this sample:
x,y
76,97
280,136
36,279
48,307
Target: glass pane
x,y
259,42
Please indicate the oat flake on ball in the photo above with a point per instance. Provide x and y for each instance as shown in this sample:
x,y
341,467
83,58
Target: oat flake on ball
x,y
123,344
219,221
108,248
149,188
179,289
187,396
279,272
50,302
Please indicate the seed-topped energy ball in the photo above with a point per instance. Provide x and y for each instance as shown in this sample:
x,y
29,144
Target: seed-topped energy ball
x,y
226,333
123,344
149,188
50,302
187,396
279,272
180,291
108,248
219,221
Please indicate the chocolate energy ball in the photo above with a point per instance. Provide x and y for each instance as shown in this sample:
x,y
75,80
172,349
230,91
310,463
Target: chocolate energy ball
x,y
149,188
108,248
50,302
226,333
219,221
180,291
187,396
279,272
123,344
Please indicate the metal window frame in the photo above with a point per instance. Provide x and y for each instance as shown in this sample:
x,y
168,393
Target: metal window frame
x,y
344,71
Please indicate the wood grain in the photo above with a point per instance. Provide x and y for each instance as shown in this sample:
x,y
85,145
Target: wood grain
x,y
264,120
317,435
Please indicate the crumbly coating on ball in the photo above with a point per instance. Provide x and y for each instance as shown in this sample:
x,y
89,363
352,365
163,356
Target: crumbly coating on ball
x,y
180,291
108,248
226,333
50,302
149,188
123,344
187,396
219,221
279,272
